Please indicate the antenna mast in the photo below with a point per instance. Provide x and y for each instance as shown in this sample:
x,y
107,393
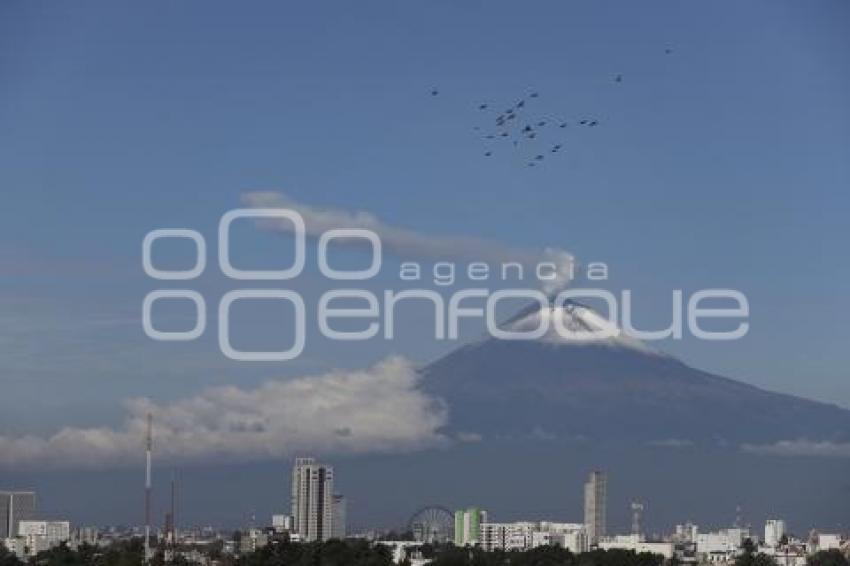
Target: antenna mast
x,y
148,447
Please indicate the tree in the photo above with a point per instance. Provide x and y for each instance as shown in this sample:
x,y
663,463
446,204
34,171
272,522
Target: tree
x,y
542,556
331,553
7,558
832,557
762,559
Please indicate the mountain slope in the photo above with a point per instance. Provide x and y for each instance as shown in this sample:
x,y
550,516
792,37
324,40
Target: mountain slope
x,y
613,388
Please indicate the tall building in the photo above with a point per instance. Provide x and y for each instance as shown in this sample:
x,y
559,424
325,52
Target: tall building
x,y
595,502
15,506
312,500
774,530
340,512
468,526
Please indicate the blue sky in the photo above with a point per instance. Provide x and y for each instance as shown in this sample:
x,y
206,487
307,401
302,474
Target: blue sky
x,y
723,164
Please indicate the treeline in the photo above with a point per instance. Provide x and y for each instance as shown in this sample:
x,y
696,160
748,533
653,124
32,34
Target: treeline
x,y
363,553
541,556
127,553
750,557
340,553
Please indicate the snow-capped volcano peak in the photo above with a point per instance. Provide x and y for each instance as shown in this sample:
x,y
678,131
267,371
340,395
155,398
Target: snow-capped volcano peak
x,y
571,324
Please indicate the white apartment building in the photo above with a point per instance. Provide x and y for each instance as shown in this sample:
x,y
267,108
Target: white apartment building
x,y
637,544
827,542
774,530
43,535
523,535
720,546
17,546
252,541
282,523
687,532
507,536
88,535
572,536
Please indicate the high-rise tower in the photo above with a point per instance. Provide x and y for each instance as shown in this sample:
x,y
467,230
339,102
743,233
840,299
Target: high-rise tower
x,y
15,506
595,502
312,500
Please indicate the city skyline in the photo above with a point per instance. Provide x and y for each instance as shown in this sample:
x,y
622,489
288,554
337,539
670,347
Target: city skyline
x,y
471,527
314,505
194,191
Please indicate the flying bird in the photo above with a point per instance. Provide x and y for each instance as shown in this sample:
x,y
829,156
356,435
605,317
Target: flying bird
x,y
668,51
434,92
618,79
509,127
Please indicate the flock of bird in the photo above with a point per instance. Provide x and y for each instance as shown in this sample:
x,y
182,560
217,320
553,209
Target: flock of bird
x,y
521,130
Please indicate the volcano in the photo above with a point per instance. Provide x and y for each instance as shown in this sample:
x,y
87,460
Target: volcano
x,y
615,388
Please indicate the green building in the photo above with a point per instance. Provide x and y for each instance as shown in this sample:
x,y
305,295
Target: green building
x,y
468,526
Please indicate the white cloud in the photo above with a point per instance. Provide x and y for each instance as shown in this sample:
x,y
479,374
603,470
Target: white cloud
x,y
375,410
801,447
409,244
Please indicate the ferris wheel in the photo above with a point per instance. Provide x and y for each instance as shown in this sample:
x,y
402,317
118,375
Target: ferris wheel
x,y
432,524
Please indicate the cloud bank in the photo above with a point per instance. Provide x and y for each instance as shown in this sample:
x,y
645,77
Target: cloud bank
x,y
408,244
379,409
801,447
